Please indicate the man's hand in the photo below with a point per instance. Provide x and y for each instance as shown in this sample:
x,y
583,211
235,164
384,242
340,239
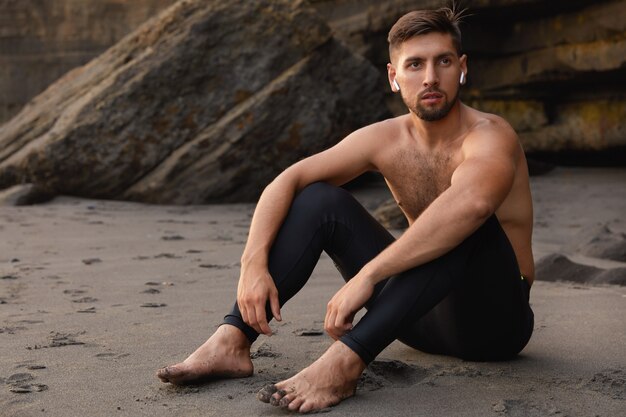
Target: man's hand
x,y
345,304
255,288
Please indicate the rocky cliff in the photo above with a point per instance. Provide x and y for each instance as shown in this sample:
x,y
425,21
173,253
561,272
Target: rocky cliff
x,y
206,103
42,40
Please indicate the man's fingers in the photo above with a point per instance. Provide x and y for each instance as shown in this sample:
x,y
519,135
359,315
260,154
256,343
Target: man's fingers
x,y
253,321
329,323
327,320
275,306
262,320
342,322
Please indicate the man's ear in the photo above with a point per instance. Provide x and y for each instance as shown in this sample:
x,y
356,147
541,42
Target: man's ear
x,y
463,64
391,75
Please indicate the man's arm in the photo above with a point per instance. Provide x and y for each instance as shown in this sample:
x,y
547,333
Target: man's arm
x,y
479,185
337,165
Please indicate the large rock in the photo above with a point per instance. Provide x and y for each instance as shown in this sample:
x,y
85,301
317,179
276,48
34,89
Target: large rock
x,y
586,125
600,20
23,195
535,62
42,40
558,267
206,103
558,63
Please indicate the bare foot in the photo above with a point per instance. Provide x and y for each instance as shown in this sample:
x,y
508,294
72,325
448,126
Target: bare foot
x,y
326,382
225,355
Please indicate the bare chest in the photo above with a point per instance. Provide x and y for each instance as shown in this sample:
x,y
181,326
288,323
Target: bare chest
x,y
416,179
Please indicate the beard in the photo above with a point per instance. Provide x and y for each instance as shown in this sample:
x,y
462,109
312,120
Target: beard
x,y
433,113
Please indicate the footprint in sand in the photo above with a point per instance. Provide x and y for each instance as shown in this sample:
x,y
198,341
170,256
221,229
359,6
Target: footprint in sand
x,y
85,300
167,284
398,373
611,382
74,293
264,351
111,355
380,374
11,329
172,237
524,408
21,384
309,332
59,340
215,266
9,277
166,256
153,305
26,388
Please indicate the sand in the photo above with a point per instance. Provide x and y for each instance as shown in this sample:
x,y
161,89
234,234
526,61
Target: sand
x,y
96,295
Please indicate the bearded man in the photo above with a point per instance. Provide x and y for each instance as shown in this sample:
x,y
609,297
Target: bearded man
x,y
456,282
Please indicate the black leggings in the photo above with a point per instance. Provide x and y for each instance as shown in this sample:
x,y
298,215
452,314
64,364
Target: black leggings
x,y
470,302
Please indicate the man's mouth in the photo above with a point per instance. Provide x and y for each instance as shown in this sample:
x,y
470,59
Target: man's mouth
x,y
431,98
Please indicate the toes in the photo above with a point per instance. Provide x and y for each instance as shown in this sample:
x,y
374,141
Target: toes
x,y
295,404
316,406
162,374
265,393
166,373
277,396
306,407
286,400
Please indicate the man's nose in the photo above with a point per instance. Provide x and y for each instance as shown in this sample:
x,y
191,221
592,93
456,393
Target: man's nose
x,y
430,76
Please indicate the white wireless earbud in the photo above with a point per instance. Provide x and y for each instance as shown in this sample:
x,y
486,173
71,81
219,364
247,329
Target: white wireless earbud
x,y
395,84
462,78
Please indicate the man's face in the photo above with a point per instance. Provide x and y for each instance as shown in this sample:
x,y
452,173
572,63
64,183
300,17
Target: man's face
x,y
428,69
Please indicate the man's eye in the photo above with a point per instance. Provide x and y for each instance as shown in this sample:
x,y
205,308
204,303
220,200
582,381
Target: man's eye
x,y
445,61
415,65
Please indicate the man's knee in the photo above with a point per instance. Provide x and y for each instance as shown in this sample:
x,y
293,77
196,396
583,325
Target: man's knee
x,y
319,197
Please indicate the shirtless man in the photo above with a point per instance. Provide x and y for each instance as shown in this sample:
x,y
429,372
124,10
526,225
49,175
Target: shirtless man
x,y
456,282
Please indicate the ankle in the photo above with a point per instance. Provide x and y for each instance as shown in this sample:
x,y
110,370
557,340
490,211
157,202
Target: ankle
x,y
349,359
233,336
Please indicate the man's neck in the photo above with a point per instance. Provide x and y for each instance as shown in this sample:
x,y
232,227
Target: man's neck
x,y
437,133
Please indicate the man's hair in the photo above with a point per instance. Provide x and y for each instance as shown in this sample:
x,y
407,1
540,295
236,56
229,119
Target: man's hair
x,y
421,22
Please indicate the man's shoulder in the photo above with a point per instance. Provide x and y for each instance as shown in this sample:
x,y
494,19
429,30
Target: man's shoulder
x,y
488,127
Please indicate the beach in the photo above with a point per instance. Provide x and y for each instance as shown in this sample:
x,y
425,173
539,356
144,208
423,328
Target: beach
x,y
96,295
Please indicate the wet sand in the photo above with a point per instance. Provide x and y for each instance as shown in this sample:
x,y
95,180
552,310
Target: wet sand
x,y
96,295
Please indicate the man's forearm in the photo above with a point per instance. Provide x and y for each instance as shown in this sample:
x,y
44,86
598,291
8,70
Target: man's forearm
x,y
440,228
269,214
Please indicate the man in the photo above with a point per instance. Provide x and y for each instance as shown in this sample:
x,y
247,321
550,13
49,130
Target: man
x,y
456,282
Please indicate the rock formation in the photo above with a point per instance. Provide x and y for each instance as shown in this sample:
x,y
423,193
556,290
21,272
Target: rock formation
x,y
558,267
42,40
206,103
554,69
